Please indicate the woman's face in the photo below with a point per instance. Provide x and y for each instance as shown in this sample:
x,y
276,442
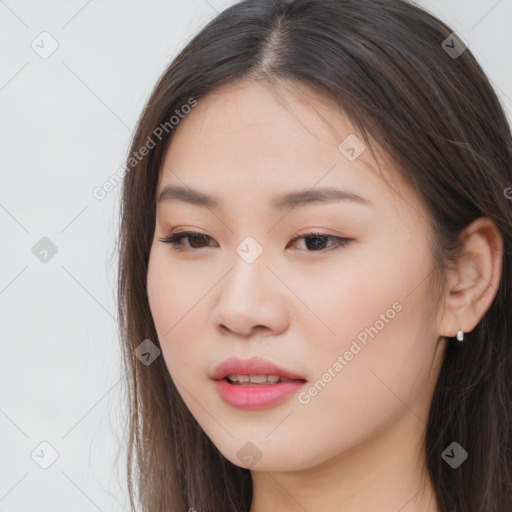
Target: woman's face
x,y
354,320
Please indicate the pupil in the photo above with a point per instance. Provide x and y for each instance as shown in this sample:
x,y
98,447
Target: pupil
x,y
192,237
315,245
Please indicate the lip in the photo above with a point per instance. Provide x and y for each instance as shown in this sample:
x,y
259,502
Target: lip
x,y
252,366
257,396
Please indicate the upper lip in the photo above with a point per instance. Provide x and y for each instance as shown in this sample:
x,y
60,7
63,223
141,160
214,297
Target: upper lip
x,y
252,366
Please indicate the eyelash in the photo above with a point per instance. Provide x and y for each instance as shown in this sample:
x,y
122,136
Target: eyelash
x,y
175,239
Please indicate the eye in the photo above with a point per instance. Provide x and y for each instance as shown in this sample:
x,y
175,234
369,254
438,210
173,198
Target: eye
x,y
317,241
313,240
175,239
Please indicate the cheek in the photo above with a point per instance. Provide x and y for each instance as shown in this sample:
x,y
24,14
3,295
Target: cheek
x,y
175,301
371,373
171,293
378,319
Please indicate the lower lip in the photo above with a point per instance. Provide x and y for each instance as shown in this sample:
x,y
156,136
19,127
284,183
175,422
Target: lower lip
x,y
257,396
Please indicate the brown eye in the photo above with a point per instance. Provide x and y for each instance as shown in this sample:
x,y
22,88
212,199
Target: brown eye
x,y
315,242
196,240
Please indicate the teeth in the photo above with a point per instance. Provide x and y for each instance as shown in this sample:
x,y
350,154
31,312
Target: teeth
x,y
256,379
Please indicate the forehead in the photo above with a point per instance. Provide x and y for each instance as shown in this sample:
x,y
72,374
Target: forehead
x,y
254,138
279,116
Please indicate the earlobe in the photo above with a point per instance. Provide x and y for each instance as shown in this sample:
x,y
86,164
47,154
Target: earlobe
x,y
473,284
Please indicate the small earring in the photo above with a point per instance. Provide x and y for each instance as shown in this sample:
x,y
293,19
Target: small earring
x,y
460,335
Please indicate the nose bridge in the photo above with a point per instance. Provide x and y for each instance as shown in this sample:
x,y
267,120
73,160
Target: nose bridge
x,y
248,274
250,250
248,295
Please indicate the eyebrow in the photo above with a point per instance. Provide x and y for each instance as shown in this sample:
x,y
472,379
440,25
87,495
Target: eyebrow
x,y
317,195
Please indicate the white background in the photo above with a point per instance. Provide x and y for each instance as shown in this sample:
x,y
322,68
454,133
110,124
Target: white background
x,y
66,123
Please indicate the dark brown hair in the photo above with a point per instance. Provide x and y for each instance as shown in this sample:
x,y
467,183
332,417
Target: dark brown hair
x,y
438,118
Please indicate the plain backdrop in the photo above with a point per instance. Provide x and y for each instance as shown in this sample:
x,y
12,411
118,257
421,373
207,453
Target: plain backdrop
x,y
66,122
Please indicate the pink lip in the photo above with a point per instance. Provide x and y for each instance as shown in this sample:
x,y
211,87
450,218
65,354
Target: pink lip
x,y
258,396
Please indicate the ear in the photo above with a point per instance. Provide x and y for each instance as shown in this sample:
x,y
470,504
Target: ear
x,y
473,284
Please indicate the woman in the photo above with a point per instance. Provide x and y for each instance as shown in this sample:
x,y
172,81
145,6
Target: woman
x,y
314,268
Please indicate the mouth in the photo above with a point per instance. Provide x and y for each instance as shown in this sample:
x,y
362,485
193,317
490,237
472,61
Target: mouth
x,y
254,371
254,383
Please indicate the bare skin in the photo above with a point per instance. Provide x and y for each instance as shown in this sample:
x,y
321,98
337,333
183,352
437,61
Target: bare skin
x,y
356,444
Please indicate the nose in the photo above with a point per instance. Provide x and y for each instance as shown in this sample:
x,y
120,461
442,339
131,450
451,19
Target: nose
x,y
250,299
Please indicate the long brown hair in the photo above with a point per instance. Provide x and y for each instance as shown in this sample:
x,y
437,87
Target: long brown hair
x,y
391,66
